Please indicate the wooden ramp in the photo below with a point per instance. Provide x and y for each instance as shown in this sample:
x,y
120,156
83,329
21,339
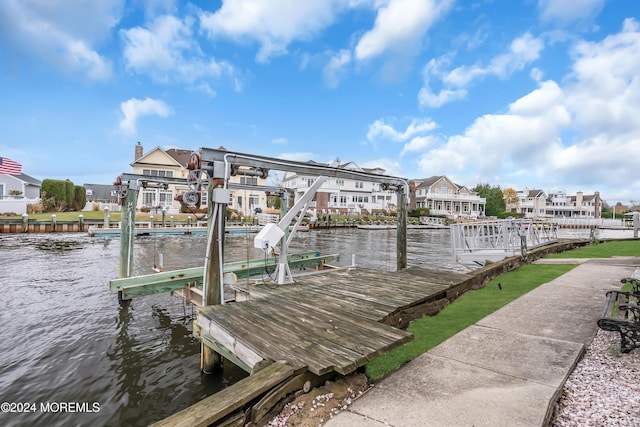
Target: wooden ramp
x,y
324,322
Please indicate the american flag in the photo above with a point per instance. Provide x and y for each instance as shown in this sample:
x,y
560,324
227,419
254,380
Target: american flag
x,y
9,167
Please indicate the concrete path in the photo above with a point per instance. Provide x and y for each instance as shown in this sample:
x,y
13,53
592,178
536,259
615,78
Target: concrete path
x,y
506,370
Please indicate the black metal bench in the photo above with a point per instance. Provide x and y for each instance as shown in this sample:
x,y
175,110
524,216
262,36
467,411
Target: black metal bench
x,y
635,284
622,314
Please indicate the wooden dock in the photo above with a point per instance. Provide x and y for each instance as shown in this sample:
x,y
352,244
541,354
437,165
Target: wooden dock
x,y
323,322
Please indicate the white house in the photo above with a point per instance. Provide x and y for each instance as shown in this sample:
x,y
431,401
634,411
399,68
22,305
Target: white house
x,y
172,163
345,196
18,191
444,197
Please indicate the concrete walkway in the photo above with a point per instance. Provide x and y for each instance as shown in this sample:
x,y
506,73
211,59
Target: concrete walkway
x,y
506,370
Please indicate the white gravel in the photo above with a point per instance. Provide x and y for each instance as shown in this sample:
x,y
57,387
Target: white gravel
x,y
603,389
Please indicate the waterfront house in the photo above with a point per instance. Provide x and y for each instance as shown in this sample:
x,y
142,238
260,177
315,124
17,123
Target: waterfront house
x,y
172,163
531,204
344,196
443,197
18,191
561,205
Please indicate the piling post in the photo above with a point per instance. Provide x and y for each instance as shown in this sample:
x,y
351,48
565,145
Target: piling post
x,y
635,225
53,222
210,361
164,217
80,222
171,221
150,221
25,223
127,233
106,218
401,235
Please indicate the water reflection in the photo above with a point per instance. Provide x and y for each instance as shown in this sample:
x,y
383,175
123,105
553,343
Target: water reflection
x,y
65,338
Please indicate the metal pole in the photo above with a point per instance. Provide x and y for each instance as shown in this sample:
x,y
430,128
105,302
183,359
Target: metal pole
x,y
401,235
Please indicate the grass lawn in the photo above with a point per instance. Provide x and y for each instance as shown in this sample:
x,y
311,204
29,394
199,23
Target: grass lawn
x,y
99,215
464,312
603,250
474,305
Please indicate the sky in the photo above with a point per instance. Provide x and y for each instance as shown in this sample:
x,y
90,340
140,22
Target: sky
x,y
523,94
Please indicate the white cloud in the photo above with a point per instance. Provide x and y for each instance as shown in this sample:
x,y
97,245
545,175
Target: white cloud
x,y
522,51
61,33
605,95
400,26
334,70
280,141
526,135
133,109
584,133
565,12
167,51
419,143
380,130
273,24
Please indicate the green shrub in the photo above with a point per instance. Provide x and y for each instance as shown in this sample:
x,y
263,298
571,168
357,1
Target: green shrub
x,y
79,197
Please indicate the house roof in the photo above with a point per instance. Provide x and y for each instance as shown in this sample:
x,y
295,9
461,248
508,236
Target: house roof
x,y
142,159
535,193
25,178
179,155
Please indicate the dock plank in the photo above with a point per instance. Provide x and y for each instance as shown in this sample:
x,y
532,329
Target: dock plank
x,y
221,404
328,321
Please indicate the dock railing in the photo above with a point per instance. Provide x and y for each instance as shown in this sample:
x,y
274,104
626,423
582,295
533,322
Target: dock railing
x,y
498,239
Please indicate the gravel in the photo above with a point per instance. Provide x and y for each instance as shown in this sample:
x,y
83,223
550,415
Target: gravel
x,y
603,389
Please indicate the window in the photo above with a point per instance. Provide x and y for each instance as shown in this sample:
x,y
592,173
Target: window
x,y
148,197
359,184
239,202
1,191
165,198
248,180
339,182
254,201
310,182
156,172
343,200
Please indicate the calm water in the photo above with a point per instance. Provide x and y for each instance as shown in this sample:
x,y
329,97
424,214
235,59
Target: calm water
x,y
64,338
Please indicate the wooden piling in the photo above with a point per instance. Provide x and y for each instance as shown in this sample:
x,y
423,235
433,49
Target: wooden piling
x,y
401,235
106,218
127,232
210,361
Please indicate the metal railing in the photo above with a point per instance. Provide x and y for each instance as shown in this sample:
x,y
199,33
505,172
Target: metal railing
x,y
498,239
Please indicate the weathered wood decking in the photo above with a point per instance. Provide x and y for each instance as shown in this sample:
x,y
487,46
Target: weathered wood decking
x,y
324,322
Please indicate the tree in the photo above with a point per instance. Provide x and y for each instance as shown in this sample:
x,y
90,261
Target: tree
x,y
495,199
79,198
510,196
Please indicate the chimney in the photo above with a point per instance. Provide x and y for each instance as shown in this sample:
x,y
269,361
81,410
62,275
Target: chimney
x,y
138,151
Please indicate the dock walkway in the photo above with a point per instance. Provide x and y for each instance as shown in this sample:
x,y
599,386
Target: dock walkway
x,y
324,322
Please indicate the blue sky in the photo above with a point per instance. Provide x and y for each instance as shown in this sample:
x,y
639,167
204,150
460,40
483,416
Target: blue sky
x,y
524,94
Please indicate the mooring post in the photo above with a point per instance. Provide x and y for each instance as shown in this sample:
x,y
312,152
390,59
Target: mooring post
x,y
210,361
127,232
635,225
401,235
80,222
106,218
164,217
53,222
25,222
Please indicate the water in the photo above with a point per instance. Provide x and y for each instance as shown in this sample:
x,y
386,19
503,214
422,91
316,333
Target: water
x,y
64,338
